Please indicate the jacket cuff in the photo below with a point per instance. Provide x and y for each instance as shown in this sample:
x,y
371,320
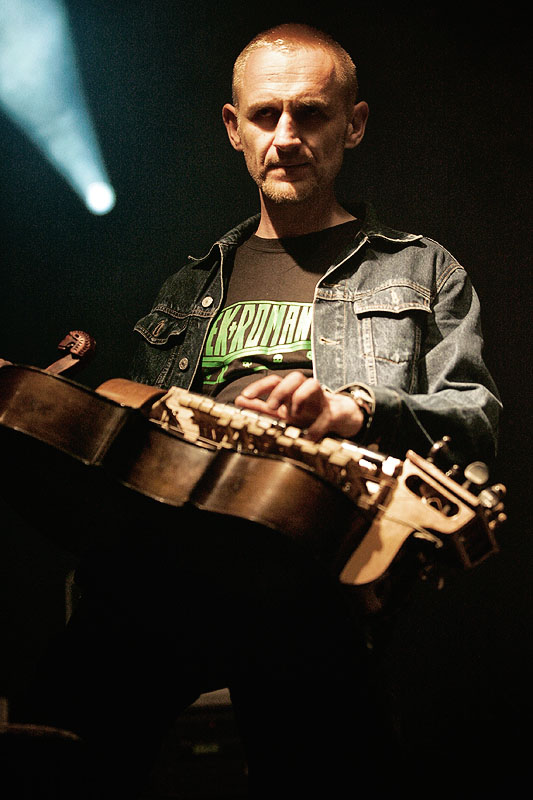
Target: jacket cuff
x,y
385,419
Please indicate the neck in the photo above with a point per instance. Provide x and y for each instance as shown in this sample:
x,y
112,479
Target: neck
x,y
279,220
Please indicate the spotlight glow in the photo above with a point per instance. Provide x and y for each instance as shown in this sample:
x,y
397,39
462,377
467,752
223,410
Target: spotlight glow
x,y
99,197
41,91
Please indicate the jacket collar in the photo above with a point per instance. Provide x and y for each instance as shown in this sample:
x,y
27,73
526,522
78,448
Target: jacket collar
x,y
371,228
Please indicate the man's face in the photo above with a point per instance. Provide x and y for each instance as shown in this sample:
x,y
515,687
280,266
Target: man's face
x,y
292,123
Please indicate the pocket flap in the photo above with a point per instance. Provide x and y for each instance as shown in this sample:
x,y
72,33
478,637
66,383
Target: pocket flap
x,y
393,299
157,327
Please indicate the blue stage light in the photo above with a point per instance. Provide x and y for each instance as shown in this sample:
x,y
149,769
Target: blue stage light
x,y
100,197
41,91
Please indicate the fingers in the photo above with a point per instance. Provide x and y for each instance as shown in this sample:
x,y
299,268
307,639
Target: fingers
x,y
262,386
303,402
293,398
293,392
288,398
256,394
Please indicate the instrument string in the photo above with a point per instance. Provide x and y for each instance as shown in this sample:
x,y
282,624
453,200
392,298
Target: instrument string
x,y
422,532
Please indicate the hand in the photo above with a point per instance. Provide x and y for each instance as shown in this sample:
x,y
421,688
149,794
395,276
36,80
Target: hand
x,y
302,401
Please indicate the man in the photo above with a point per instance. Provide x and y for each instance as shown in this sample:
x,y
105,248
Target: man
x,y
395,350
321,317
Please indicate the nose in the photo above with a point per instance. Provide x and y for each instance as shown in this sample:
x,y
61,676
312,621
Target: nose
x,y
286,135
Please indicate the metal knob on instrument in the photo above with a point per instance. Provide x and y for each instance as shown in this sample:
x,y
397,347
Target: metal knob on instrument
x,y
476,474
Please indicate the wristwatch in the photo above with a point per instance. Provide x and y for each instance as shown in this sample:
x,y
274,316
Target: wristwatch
x,y
364,400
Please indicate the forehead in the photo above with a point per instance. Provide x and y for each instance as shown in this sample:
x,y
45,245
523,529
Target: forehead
x,y
288,75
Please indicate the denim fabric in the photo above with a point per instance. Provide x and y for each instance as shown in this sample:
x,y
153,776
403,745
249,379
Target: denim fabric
x,y
395,313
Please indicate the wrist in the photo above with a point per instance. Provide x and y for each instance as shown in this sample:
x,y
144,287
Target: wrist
x,y
365,404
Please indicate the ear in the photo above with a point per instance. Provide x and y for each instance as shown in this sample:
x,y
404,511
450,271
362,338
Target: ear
x,y
229,115
355,129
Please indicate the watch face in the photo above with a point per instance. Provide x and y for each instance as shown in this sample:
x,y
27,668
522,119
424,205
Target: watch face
x,y
363,398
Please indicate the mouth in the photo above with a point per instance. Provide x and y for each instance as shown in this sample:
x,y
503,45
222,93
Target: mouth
x,y
290,165
289,170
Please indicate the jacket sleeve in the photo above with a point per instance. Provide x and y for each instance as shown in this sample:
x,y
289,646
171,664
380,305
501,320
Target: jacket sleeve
x,y
455,395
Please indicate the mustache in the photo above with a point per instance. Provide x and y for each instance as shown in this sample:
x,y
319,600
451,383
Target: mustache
x,y
293,163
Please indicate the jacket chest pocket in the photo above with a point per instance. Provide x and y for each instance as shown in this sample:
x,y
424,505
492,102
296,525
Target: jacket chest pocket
x,y
160,329
392,320
161,336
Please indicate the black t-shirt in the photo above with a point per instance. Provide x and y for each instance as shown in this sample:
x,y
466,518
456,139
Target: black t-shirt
x,y
265,323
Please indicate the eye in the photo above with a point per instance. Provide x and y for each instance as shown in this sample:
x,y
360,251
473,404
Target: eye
x,y
265,117
310,112
265,113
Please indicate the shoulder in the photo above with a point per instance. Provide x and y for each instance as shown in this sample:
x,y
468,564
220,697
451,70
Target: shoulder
x,y
414,255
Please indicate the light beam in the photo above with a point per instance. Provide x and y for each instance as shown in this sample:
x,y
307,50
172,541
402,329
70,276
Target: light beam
x,y
41,91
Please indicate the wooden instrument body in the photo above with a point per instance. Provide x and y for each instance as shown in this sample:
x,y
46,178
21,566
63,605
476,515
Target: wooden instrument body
x,y
103,467
90,467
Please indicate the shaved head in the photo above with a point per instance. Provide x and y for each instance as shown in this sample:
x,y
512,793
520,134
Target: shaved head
x,y
289,37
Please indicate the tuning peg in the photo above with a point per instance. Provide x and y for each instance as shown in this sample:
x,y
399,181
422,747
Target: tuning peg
x,y
442,456
439,448
476,473
492,496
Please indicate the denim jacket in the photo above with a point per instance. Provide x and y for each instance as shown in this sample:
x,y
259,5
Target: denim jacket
x,y
395,314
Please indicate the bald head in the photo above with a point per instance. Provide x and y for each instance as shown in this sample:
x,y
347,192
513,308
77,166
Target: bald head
x,y
289,37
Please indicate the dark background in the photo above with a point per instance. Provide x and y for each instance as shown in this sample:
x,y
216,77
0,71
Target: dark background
x,y
446,154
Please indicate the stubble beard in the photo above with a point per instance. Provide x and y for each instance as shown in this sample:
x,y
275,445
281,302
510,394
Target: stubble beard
x,y
284,192
280,192
287,194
